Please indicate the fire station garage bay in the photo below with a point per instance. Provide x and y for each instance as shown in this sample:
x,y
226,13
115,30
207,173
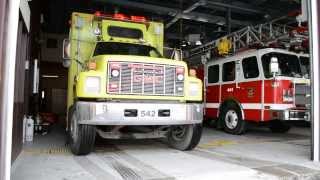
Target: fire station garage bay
x,y
147,89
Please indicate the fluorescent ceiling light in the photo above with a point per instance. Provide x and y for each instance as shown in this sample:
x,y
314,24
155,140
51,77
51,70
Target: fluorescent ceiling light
x,y
198,43
50,76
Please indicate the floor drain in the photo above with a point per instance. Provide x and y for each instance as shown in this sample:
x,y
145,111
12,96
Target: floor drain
x,y
56,150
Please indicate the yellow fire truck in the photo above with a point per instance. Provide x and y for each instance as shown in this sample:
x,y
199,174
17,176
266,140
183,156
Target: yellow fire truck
x,y
121,86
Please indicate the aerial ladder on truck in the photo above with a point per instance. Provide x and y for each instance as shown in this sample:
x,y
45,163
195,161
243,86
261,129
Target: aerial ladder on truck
x,y
271,34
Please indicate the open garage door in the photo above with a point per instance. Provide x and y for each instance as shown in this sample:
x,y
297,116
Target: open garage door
x,y
2,51
259,153
314,26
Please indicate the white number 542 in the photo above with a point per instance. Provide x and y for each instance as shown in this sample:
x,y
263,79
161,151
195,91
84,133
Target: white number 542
x,y
147,113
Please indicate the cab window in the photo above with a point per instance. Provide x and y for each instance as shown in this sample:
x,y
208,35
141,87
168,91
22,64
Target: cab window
x,y
250,67
213,74
228,72
305,66
108,48
289,65
124,32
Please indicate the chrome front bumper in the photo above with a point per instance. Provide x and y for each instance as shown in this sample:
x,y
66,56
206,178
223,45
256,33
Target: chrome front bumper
x,y
293,114
136,113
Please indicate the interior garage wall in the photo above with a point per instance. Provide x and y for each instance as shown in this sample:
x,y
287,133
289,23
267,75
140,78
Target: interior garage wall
x,y
55,88
19,95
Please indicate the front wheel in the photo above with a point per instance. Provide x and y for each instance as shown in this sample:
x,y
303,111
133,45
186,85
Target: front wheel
x,y
82,137
185,137
231,118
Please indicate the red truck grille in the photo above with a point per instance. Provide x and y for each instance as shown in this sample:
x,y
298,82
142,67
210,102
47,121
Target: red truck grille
x,y
145,79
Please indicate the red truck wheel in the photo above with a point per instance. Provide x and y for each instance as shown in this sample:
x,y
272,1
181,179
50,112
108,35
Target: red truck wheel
x,y
231,118
185,137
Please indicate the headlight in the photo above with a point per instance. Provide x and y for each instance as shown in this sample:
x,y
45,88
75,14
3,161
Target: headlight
x,y
180,77
115,73
92,84
287,95
194,89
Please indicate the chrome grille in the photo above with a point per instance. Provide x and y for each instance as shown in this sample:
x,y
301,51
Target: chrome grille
x,y
302,94
145,79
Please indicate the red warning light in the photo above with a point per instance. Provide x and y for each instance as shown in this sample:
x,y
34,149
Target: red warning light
x,y
120,16
98,14
138,18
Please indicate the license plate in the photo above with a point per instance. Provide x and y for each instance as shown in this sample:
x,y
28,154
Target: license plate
x,y
147,113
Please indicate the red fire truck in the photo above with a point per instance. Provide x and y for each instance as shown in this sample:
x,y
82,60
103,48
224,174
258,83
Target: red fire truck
x,y
265,85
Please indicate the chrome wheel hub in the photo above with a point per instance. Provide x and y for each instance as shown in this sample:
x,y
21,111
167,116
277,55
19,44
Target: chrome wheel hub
x,y
179,132
231,119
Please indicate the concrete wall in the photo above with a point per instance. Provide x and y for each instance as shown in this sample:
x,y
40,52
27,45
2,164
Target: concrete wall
x,y
51,47
54,87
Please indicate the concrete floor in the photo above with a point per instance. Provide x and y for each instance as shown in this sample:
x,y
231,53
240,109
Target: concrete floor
x,y
259,154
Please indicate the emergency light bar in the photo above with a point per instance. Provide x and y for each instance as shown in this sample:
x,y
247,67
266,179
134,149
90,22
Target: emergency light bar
x,y
121,17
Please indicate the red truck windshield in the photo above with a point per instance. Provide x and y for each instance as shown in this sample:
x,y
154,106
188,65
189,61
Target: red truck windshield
x,y
116,48
289,65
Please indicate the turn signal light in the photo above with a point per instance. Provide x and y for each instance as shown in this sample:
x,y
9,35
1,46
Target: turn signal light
x,y
92,66
179,70
193,72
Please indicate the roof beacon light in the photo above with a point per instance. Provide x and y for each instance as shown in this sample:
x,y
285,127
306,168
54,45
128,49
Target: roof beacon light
x,y
138,18
98,14
120,16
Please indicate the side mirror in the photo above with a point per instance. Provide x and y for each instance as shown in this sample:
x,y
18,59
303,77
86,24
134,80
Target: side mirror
x,y
66,63
274,66
66,49
237,73
66,53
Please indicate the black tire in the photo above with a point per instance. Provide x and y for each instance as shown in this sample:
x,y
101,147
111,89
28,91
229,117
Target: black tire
x,y
82,142
210,123
187,140
231,119
278,126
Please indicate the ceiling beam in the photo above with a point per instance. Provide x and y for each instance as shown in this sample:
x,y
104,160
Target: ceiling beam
x,y
188,10
174,12
213,5
142,6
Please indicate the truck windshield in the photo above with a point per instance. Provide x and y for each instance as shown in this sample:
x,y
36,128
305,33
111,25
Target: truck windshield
x,y
116,48
288,64
305,66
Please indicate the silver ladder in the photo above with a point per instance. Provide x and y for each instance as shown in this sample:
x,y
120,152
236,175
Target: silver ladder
x,y
261,34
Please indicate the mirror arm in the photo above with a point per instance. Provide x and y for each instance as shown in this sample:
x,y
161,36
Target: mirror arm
x,y
80,63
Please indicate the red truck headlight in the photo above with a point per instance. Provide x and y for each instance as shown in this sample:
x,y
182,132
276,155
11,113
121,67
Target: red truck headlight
x,y
287,95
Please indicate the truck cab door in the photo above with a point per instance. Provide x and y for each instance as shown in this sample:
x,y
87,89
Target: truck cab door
x,y
229,83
